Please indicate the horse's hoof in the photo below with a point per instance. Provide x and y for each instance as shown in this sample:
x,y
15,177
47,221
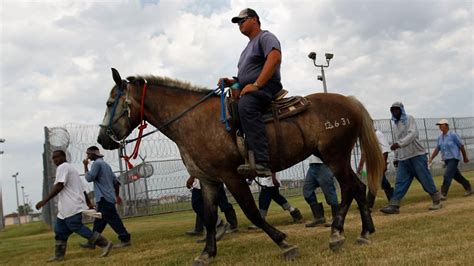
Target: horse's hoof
x,y
290,252
362,241
202,260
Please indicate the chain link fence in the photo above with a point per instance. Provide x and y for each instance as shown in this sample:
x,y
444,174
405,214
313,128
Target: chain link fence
x,y
157,183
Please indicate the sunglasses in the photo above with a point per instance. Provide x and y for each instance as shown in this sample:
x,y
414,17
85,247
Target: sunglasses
x,y
240,22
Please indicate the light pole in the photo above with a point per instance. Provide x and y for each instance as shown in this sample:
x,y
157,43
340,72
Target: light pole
x,y
17,202
23,196
2,141
328,56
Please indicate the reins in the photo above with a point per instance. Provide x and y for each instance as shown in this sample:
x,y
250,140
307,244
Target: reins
x,y
141,127
143,124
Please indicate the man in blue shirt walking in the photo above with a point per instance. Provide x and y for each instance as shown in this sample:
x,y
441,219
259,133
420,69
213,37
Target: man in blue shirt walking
x,y
106,190
451,148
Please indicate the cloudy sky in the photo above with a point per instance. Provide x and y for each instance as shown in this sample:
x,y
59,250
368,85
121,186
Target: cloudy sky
x,y
56,56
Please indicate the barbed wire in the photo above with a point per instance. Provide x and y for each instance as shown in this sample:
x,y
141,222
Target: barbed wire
x,y
165,190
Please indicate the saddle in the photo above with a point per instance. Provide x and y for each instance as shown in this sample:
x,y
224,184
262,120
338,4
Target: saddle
x,y
281,108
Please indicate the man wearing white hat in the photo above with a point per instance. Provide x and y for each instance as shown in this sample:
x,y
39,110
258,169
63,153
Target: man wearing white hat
x,y
411,159
451,148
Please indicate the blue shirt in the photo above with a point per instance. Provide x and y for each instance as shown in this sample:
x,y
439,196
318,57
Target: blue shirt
x,y
253,58
450,145
104,180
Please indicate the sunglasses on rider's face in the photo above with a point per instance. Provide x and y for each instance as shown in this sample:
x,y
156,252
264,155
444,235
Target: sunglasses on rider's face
x,y
242,20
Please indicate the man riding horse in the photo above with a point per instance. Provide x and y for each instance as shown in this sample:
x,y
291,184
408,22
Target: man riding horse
x,y
259,78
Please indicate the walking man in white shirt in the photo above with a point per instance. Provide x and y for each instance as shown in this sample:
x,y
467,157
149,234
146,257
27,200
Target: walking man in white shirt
x,y
72,200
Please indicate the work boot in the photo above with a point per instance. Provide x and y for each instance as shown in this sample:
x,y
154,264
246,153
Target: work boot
x,y
468,193
198,228
123,244
436,197
444,193
391,209
59,251
87,245
99,240
221,228
262,170
231,218
318,215
296,215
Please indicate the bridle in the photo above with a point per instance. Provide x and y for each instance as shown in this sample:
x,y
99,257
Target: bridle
x,y
126,112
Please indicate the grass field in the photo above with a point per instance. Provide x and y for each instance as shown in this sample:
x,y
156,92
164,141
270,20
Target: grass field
x,y
414,237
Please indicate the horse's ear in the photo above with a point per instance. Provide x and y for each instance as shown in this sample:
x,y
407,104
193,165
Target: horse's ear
x,y
131,79
117,78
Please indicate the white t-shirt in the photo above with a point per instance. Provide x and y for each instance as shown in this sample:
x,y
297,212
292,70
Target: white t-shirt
x,y
267,181
196,184
314,159
71,199
382,141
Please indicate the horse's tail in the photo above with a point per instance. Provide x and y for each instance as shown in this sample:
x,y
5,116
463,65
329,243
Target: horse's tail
x,y
369,144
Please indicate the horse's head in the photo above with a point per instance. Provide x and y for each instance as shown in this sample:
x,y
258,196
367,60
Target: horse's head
x,y
122,114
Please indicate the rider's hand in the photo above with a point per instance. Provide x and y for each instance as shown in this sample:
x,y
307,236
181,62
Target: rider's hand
x,y
227,82
248,89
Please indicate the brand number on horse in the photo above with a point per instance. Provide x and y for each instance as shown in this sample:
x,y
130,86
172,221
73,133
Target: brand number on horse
x,y
337,123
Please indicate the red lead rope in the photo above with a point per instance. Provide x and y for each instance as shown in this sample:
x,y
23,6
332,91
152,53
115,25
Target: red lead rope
x,y
142,126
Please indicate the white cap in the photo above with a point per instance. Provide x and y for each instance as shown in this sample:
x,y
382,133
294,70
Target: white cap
x,y
442,122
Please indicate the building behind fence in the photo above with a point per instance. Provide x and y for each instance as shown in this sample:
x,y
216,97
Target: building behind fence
x,y
157,183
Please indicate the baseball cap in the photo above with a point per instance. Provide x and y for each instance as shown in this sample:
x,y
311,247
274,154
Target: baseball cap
x,y
442,122
94,150
248,12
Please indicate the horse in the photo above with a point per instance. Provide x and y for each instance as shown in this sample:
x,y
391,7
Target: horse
x,y
189,116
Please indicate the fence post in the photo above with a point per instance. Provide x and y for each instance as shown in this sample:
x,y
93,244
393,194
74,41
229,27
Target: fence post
x,y
122,182
426,134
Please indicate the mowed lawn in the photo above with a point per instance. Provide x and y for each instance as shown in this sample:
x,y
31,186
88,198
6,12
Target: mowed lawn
x,y
414,237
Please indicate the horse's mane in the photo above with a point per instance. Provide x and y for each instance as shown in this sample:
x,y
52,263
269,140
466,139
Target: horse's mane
x,y
172,83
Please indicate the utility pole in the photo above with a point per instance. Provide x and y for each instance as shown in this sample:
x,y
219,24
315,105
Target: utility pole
x,y
17,202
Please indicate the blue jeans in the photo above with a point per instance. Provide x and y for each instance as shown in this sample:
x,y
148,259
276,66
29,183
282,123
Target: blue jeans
x,y
452,172
319,175
407,170
251,108
65,227
110,216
